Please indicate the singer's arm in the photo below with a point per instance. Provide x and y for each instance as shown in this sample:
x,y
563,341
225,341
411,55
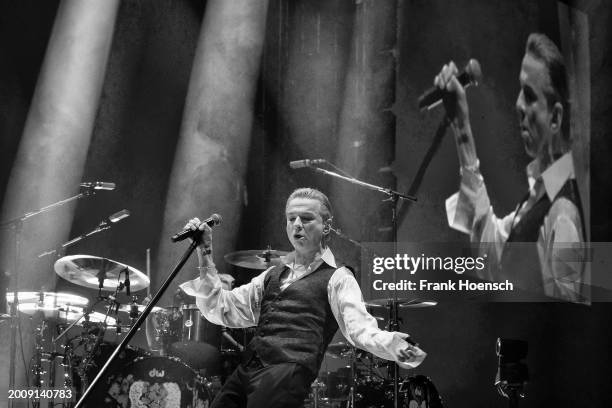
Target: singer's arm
x,y
232,308
457,111
470,210
361,329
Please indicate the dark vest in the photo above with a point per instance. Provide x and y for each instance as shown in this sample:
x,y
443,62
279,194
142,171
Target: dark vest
x,y
520,255
296,324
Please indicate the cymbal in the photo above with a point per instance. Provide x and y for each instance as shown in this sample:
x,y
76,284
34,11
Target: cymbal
x,y
128,308
51,304
402,303
48,298
83,270
339,349
255,258
94,317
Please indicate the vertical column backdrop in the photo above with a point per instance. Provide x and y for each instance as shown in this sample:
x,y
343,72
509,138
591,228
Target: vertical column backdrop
x,y
210,161
56,137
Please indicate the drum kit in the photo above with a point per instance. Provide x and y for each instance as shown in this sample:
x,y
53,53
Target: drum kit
x,y
366,381
188,357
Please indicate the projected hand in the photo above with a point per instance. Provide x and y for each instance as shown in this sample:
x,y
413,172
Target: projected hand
x,y
455,100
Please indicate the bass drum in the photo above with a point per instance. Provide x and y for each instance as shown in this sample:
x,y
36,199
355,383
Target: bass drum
x,y
153,382
419,392
85,366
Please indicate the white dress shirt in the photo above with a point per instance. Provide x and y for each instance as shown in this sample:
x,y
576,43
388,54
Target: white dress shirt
x,y
241,307
560,244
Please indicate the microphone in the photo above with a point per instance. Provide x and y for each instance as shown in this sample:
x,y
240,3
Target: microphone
x,y
98,185
299,164
114,218
471,75
213,220
119,215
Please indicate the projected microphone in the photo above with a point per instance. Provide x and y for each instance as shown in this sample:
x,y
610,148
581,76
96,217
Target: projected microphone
x,y
471,75
213,220
98,185
299,164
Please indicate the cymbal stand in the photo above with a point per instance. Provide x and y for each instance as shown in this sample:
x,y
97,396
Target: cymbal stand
x,y
350,403
394,325
37,368
111,307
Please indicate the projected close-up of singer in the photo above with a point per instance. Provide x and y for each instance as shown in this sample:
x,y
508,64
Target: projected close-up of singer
x,y
317,204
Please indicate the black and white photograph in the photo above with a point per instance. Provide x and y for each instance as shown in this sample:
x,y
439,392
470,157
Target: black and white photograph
x,y
305,203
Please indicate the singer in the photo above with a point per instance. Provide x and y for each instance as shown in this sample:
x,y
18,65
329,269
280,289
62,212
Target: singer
x,y
297,308
549,217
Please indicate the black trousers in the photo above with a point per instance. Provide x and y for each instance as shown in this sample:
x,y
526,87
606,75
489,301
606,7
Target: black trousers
x,y
252,385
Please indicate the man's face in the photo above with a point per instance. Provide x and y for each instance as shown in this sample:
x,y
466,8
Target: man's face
x,y
535,116
304,224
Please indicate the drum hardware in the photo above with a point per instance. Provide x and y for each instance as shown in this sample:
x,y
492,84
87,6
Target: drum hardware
x,y
37,357
88,360
317,387
512,373
227,336
141,319
402,303
48,304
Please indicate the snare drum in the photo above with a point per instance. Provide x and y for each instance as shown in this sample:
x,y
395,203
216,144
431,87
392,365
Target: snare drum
x,y
153,382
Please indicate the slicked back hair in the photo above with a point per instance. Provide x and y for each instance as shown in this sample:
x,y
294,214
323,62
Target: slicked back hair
x,y
312,193
543,49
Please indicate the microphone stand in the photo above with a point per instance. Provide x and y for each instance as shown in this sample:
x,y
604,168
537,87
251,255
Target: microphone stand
x,y
392,194
141,319
103,226
16,224
393,197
